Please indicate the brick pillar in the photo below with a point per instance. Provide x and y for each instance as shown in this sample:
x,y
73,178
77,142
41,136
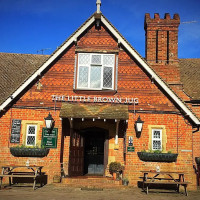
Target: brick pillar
x,y
162,45
161,38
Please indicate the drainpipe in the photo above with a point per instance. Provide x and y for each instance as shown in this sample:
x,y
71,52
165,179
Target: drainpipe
x,y
194,166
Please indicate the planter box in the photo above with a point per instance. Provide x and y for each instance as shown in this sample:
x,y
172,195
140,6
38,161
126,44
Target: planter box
x,y
29,152
157,157
197,159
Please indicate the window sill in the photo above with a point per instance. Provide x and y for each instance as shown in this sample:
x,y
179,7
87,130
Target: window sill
x,y
95,92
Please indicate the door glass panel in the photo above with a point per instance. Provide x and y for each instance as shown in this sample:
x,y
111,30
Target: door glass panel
x,y
94,152
81,141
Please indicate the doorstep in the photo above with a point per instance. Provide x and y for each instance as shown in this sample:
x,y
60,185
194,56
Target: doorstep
x,y
90,182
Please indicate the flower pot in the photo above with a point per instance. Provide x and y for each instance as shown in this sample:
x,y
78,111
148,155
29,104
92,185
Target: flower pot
x,y
29,152
197,159
114,175
157,157
56,179
125,182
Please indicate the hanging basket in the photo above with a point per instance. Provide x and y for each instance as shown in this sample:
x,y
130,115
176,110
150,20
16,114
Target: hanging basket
x,y
157,157
29,152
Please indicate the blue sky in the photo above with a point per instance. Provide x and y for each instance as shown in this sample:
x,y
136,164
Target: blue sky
x,y
31,25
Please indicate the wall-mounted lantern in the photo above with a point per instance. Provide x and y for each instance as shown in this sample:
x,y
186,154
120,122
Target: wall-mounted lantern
x,y
49,121
138,127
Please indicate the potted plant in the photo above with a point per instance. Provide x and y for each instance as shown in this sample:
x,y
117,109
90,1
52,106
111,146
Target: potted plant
x,y
125,181
115,169
24,151
157,156
57,179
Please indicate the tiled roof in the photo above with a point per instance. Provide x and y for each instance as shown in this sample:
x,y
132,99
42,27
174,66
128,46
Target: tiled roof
x,y
190,77
15,69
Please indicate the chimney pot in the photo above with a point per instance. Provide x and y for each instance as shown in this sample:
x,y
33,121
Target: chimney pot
x,y
156,16
176,16
167,16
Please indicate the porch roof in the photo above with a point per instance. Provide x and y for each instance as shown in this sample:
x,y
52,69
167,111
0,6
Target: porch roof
x,y
97,111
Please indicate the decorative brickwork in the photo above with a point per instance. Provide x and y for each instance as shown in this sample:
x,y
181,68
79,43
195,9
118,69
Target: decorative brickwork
x,y
162,45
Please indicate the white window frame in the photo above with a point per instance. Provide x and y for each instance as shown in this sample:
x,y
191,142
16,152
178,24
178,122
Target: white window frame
x,y
89,66
157,139
27,134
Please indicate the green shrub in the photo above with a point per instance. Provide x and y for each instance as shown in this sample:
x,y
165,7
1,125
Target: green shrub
x,y
115,167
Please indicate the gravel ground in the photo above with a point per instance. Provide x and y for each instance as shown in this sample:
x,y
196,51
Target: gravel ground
x,y
52,192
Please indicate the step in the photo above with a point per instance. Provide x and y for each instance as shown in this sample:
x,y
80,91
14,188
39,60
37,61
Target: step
x,y
91,182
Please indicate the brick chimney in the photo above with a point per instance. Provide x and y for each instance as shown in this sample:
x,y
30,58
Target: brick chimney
x,y
162,45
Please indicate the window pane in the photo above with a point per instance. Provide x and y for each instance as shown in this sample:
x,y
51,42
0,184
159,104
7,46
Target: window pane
x,y
107,77
156,134
31,140
84,59
95,77
156,145
31,135
83,77
108,60
31,130
96,59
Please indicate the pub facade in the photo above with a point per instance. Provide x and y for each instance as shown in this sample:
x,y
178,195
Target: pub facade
x,y
104,102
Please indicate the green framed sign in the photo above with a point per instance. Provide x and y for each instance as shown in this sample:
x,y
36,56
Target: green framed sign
x,y
131,149
49,137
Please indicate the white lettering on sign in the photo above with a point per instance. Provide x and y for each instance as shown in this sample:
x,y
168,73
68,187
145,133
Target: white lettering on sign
x,y
95,99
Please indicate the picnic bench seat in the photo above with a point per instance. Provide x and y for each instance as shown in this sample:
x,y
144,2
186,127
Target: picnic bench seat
x,y
178,183
22,175
10,173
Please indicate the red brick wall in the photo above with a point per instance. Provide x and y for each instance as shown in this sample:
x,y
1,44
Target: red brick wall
x,y
179,140
162,46
51,163
132,82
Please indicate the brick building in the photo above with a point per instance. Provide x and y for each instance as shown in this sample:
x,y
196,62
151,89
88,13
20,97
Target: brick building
x,y
96,86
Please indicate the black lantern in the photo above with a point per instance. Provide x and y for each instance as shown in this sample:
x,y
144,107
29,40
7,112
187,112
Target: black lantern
x,y
138,127
49,121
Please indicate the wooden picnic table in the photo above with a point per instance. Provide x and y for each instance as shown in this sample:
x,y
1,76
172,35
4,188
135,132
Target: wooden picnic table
x,y
164,177
23,171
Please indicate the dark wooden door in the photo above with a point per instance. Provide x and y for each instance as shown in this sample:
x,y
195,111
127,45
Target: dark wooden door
x,y
76,157
94,152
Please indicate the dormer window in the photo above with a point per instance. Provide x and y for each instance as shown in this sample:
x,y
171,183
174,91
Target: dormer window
x,y
96,71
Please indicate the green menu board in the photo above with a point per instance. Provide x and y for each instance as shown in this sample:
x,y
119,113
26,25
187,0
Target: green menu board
x,y
49,137
130,149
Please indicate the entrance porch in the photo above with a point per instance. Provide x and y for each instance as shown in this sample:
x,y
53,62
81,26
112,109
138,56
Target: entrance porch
x,y
89,143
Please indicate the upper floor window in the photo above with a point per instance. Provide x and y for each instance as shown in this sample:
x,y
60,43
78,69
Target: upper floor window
x,y
95,71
